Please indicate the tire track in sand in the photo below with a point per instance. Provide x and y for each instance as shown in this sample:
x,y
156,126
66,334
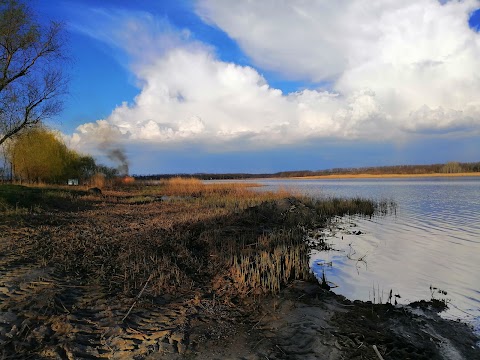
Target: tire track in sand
x,y
44,315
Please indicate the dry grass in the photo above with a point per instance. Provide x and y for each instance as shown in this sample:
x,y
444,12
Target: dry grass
x,y
194,187
380,176
275,260
98,181
184,235
232,196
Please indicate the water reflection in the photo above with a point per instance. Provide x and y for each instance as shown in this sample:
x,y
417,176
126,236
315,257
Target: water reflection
x,y
433,240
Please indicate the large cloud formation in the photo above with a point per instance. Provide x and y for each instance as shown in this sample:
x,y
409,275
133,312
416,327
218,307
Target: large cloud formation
x,y
393,69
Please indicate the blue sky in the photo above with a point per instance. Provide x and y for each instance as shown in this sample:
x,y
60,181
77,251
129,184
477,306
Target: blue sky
x,y
237,86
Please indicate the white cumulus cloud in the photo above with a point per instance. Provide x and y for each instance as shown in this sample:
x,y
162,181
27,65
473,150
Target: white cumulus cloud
x,y
411,53
394,67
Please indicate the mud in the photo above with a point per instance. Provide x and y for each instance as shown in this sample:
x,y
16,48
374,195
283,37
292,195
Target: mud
x,y
307,322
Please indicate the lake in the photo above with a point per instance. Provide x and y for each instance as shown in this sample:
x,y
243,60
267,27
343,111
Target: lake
x,y
429,248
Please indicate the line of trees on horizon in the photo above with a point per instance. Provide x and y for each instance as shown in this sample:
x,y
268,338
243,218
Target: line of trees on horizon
x,y
449,167
445,168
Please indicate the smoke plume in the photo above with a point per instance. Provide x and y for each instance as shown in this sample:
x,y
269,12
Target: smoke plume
x,y
118,156
110,145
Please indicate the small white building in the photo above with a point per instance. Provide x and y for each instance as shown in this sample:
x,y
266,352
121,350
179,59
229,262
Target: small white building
x,y
73,182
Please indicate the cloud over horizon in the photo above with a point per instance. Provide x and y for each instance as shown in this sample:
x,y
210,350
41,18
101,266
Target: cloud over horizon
x,y
394,69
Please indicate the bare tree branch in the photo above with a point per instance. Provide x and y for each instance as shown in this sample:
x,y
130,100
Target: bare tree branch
x,y
31,84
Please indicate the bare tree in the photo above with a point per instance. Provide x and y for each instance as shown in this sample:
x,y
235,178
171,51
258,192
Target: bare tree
x,y
31,78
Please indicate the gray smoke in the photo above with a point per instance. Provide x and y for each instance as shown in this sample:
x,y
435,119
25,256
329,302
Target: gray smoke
x,y
118,156
110,145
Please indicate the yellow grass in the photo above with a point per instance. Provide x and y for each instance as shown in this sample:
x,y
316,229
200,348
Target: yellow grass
x,y
234,196
376,176
191,186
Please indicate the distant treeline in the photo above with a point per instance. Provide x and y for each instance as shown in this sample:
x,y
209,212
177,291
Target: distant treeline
x,y
204,176
450,167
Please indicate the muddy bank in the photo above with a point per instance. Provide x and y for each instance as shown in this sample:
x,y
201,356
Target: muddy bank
x,y
131,277
307,322
56,318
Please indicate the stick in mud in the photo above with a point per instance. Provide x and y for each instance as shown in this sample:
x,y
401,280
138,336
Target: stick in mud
x,y
377,352
137,297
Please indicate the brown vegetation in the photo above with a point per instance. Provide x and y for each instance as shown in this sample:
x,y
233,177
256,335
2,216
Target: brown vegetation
x,y
181,240
179,233
402,170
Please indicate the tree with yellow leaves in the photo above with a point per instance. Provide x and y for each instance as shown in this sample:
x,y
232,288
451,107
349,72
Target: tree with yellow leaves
x,y
39,155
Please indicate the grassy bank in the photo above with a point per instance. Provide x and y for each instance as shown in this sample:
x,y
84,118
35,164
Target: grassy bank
x,y
175,235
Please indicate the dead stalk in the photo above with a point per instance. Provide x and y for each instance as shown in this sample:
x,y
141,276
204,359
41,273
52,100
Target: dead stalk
x,y
137,297
377,352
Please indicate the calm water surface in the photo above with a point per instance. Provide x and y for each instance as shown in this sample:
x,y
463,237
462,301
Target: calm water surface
x,y
432,240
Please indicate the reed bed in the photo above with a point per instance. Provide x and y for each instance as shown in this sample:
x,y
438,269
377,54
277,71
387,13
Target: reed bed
x,y
330,207
276,259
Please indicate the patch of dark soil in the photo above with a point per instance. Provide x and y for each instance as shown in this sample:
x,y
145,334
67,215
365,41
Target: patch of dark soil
x,y
400,333
431,305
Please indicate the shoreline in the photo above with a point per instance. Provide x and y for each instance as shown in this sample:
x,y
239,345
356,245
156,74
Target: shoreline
x,y
379,176
306,321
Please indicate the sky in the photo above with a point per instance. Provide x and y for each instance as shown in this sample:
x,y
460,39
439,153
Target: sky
x,y
222,86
